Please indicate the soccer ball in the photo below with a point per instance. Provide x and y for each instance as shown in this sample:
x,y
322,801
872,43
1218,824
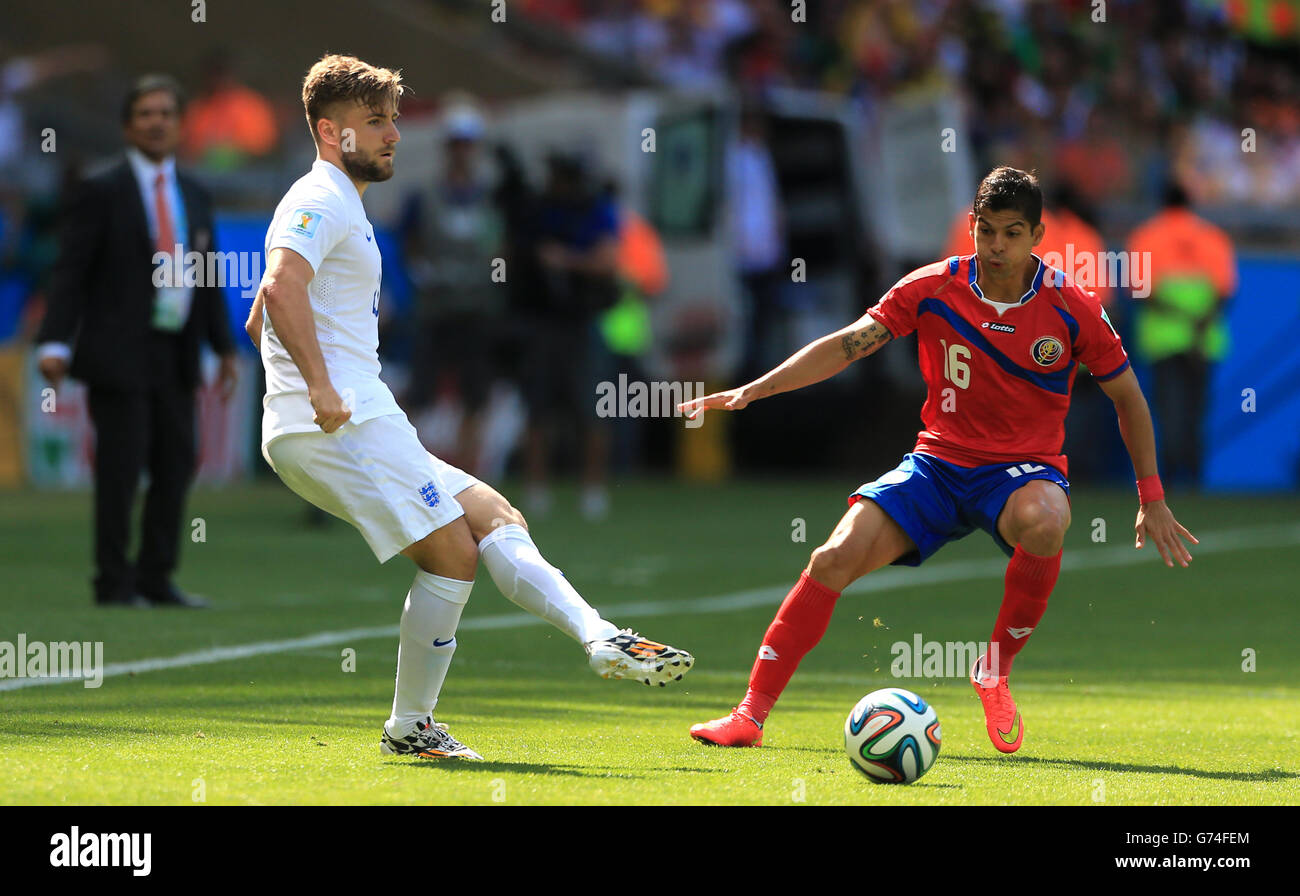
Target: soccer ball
x,y
892,736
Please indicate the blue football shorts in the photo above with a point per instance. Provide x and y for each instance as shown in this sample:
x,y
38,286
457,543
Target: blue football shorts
x,y
936,502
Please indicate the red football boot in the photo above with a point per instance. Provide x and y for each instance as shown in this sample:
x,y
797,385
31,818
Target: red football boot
x,y
735,730
1001,717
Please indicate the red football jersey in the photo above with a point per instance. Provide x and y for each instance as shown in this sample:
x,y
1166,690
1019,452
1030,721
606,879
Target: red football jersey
x,y
999,374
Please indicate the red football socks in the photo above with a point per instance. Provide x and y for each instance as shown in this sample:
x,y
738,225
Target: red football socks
x,y
1030,579
798,626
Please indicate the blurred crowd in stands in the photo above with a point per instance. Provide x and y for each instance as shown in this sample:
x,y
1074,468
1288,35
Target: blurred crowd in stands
x,y
1112,103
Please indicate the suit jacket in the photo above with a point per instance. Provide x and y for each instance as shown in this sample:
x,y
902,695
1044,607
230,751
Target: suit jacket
x,y
101,287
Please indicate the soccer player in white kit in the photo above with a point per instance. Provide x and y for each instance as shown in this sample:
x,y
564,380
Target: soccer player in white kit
x,y
333,432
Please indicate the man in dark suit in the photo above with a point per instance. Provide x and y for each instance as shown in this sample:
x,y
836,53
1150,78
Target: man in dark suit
x,y
135,344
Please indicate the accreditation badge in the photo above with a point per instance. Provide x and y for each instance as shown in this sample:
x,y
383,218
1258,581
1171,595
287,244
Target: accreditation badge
x,y
171,308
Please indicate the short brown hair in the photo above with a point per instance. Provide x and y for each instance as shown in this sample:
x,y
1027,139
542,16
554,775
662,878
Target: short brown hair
x,y
341,79
1010,189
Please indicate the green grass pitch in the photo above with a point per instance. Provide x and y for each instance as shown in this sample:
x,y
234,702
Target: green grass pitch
x,y
1132,690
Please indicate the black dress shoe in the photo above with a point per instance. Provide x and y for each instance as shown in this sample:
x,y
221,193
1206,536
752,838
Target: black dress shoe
x,y
132,601
174,597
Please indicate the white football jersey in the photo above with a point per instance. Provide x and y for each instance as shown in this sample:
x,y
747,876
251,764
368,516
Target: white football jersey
x,y
322,219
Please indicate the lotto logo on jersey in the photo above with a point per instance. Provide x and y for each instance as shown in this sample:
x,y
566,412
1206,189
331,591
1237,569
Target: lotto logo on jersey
x,y
1047,350
304,223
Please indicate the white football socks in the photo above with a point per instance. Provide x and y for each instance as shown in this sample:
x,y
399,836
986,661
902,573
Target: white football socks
x,y
524,576
428,639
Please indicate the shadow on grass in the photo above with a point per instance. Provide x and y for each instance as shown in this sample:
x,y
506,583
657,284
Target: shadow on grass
x,y
1269,776
543,768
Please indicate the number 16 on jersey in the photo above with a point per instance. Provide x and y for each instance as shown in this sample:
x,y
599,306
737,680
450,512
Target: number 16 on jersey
x,y
955,368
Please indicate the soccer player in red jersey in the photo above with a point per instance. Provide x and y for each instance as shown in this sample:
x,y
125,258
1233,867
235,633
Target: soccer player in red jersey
x,y
1001,337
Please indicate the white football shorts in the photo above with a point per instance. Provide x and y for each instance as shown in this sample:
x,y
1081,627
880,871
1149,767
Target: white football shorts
x,y
375,475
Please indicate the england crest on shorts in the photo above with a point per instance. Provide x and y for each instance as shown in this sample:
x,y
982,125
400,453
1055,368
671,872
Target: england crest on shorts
x,y
429,492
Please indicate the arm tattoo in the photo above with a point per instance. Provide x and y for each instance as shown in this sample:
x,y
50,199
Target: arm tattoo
x,y
861,343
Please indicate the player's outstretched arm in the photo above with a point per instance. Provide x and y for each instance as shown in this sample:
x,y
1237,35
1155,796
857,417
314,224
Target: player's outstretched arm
x,y
1155,521
813,363
284,296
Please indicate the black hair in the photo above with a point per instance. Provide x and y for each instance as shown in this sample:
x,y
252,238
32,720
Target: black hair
x,y
1175,195
1010,189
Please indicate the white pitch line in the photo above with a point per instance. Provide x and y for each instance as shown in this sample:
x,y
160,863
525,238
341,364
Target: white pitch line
x,y
1255,537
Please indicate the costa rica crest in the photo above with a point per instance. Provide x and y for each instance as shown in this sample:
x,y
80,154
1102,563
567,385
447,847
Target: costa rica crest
x,y
1047,350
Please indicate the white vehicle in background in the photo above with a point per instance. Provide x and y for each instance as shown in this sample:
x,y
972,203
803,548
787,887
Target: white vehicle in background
x,y
859,201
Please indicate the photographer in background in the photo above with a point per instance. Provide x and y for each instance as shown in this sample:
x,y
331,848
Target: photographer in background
x,y
577,249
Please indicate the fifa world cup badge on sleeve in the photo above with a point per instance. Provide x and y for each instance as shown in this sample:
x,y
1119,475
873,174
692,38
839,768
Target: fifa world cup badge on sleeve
x,y
303,223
